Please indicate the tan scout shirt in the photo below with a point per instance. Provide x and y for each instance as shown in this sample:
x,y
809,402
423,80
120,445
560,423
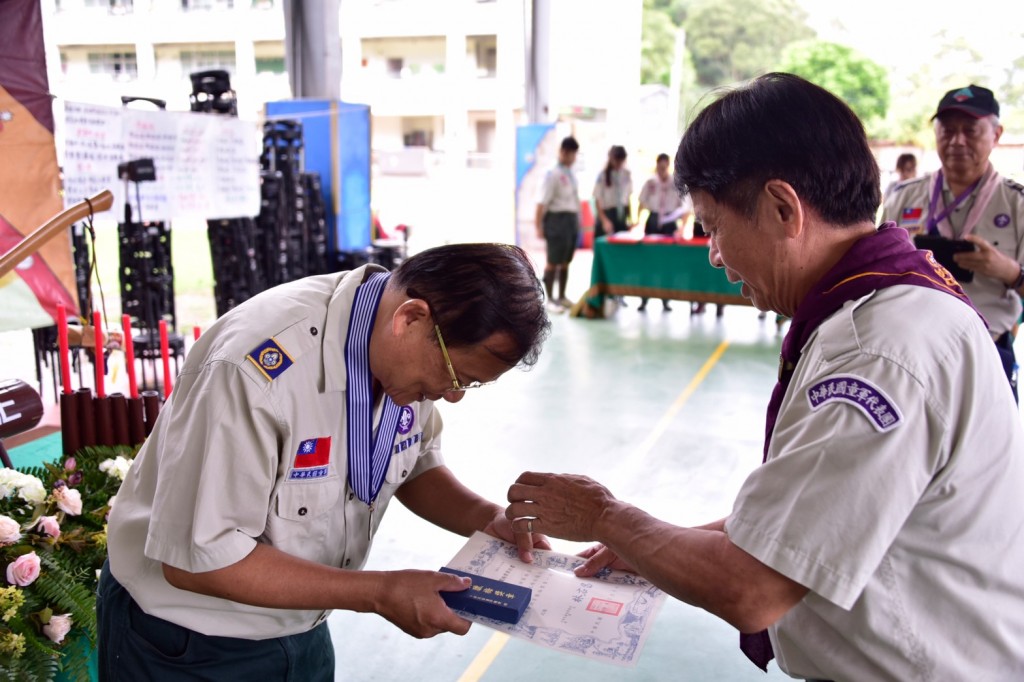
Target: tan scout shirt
x,y
892,492
213,479
1001,223
559,192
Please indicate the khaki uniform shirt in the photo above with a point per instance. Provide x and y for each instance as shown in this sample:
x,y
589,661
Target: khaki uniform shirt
x,y
892,492
215,477
617,194
1001,224
559,192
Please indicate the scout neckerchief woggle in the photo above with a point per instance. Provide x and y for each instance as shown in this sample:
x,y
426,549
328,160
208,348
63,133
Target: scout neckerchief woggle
x,y
368,457
883,259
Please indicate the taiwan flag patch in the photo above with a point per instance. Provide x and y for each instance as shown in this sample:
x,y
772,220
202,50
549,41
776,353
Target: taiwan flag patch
x,y
312,459
911,215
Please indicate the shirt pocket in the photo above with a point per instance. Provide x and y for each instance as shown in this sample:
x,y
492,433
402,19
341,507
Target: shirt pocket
x,y
301,521
401,466
305,502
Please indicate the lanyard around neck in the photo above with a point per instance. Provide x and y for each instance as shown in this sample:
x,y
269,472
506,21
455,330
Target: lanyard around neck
x,y
368,457
933,219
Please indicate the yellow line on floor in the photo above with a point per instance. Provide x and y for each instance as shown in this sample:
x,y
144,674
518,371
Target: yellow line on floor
x,y
498,640
484,659
659,429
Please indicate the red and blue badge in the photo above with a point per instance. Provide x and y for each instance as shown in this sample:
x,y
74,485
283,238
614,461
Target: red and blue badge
x,y
911,215
270,358
312,459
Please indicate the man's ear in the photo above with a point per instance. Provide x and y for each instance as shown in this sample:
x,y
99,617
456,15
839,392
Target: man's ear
x,y
411,314
782,207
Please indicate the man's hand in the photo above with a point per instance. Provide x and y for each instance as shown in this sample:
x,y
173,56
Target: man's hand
x,y
563,506
410,600
606,223
598,558
501,528
988,261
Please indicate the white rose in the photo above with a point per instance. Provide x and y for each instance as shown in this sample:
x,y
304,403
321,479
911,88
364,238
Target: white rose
x,y
10,531
58,627
68,500
8,481
32,490
116,467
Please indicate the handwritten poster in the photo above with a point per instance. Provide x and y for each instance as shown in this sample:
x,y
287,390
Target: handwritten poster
x,y
207,166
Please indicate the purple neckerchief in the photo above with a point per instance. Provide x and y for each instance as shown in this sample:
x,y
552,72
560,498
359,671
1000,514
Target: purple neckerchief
x,y
884,259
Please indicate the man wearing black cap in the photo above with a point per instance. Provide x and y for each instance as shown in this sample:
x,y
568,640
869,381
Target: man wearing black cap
x,y
968,200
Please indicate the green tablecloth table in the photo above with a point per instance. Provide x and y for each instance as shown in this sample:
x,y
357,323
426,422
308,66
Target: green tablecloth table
x,y
677,270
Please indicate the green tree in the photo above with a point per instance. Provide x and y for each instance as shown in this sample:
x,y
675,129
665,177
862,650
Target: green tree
x,y
735,40
858,81
657,44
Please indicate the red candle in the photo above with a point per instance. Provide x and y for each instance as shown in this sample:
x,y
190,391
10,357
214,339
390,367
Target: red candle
x,y
62,343
97,328
165,354
129,356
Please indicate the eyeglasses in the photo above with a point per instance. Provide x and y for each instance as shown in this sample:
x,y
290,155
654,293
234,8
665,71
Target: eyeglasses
x,y
456,386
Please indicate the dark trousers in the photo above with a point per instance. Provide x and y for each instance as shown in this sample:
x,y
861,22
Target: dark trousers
x,y
1004,344
136,646
619,223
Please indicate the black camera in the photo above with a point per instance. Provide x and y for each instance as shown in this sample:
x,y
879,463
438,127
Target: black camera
x,y
139,170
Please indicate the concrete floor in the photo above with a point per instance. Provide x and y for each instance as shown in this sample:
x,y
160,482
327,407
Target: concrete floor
x,y
622,401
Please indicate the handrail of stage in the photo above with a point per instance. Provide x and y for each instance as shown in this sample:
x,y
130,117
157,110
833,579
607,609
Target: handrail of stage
x,y
33,242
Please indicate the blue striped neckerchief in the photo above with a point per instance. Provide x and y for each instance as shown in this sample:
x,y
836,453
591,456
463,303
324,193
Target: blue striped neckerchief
x,y
368,457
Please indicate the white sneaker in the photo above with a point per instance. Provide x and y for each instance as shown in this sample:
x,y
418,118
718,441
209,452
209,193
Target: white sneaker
x,y
554,308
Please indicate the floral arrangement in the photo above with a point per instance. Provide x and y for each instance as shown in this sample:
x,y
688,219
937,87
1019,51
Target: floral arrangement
x,y
53,541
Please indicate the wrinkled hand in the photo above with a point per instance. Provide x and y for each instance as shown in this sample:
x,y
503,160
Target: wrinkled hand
x,y
410,600
501,528
988,261
598,558
560,505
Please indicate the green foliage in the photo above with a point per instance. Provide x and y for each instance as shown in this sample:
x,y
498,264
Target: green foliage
x,y
860,82
657,46
735,40
68,562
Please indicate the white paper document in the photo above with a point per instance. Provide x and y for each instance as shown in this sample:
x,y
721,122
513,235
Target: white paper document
x,y
606,618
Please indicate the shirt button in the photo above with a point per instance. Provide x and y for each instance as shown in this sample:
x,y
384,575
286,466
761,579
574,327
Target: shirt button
x,y
302,511
405,472
350,496
348,562
312,330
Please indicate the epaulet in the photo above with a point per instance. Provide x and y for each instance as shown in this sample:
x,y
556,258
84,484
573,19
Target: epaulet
x,y
1015,186
905,184
270,358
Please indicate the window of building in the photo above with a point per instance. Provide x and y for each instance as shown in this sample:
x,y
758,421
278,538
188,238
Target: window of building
x,y
202,5
114,6
413,57
270,65
207,60
120,66
482,55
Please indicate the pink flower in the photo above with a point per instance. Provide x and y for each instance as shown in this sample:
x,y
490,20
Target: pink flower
x,y
10,531
58,627
68,500
70,464
24,570
49,525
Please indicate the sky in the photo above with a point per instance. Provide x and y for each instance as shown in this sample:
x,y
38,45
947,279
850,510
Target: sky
x,y
902,34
